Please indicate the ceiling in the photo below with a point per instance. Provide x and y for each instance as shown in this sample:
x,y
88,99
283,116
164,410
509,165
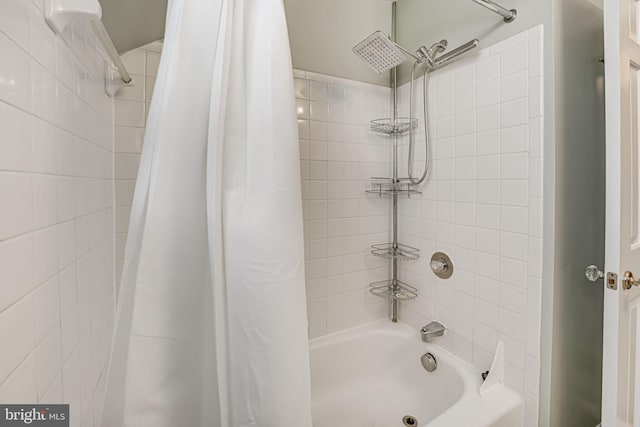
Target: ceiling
x,y
134,23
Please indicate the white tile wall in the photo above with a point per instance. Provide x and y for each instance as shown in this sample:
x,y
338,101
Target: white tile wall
x,y
483,206
56,215
131,109
338,156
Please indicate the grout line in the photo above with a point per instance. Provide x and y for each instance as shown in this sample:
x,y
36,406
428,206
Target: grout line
x,y
75,218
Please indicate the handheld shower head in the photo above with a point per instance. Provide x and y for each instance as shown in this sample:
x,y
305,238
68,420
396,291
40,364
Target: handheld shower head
x,y
437,48
379,52
428,56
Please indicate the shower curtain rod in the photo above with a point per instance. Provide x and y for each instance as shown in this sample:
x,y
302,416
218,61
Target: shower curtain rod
x,y
61,13
110,49
508,15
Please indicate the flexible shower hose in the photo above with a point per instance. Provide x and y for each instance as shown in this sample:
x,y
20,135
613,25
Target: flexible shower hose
x,y
426,126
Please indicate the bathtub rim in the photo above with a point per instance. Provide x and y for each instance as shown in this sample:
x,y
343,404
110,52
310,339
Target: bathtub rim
x,y
471,378
501,396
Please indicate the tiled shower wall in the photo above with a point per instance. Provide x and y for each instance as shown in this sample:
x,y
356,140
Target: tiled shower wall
x,y
338,156
131,110
482,205
56,215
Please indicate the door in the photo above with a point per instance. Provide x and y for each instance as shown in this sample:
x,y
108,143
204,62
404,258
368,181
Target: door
x,y
621,354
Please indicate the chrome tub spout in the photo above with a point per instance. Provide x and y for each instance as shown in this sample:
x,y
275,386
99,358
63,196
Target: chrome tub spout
x,y
432,330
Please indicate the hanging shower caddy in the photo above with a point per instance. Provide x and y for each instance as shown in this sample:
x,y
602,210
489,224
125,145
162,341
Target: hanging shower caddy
x,y
393,289
399,126
382,53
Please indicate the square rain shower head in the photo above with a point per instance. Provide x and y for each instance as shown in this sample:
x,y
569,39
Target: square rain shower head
x,y
379,52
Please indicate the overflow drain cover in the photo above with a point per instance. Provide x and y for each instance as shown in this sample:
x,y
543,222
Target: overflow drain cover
x,y
409,421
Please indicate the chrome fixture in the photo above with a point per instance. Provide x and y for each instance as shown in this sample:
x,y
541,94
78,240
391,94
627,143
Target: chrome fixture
x,y
388,187
432,63
432,330
409,421
441,265
400,126
427,56
450,56
429,362
381,53
393,290
508,15
399,251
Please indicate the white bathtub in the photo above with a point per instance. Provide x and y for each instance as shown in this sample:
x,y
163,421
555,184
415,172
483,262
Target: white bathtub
x,y
371,376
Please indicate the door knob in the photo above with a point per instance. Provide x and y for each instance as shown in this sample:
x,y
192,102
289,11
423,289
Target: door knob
x,y
593,273
628,281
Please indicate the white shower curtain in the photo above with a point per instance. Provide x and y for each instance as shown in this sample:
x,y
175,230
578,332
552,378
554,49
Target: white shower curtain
x,y
211,321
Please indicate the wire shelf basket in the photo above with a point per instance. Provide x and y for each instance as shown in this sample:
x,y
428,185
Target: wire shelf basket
x,y
394,290
388,126
387,187
397,251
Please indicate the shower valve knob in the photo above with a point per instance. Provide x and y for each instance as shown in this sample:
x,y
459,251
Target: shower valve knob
x,y
438,266
441,265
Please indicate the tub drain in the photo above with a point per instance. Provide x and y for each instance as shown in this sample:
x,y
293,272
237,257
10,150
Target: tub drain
x,y
409,421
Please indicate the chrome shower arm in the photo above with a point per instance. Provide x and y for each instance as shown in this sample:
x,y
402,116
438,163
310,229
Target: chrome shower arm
x,y
508,15
411,54
447,57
